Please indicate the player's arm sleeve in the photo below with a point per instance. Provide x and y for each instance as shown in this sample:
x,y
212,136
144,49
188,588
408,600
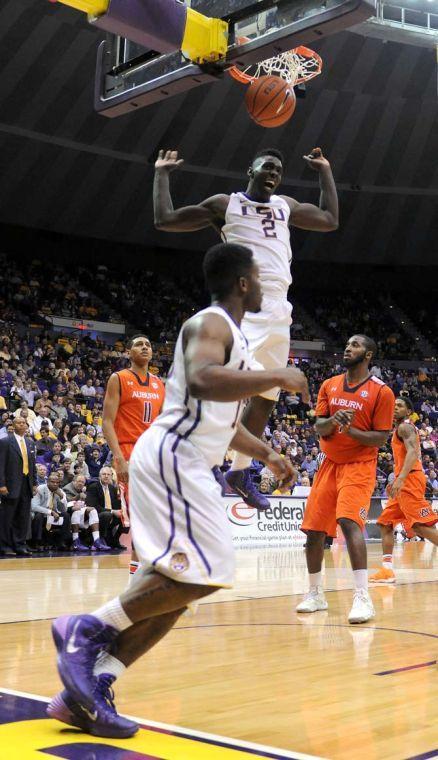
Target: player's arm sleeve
x,y
322,408
383,415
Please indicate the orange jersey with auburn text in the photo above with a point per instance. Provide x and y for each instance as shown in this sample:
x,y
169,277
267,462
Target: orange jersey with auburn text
x,y
399,450
140,403
373,405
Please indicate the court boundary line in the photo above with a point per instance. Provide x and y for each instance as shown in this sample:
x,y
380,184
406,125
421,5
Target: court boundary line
x,y
261,750
231,601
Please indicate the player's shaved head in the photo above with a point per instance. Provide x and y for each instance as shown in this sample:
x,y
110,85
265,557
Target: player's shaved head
x,y
223,265
269,152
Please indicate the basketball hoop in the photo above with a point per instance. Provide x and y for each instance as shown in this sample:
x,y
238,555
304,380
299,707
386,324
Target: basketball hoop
x,y
294,66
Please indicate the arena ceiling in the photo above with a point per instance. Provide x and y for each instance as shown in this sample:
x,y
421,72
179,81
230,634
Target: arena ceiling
x,y
66,169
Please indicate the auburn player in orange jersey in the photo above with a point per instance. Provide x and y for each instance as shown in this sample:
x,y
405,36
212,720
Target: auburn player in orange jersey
x,y
354,418
406,501
133,400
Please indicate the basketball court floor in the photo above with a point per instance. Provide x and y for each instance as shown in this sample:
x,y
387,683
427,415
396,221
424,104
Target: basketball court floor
x,y
246,676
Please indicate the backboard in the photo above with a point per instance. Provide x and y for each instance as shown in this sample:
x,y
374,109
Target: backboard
x,y
129,77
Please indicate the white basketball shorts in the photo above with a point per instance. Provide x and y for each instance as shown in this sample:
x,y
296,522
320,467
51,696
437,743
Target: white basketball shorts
x,y
178,519
268,336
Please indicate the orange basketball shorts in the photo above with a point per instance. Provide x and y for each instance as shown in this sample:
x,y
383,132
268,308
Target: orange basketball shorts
x,y
339,490
410,506
127,449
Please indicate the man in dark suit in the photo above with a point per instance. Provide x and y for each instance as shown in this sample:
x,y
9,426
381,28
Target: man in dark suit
x,y
103,496
18,480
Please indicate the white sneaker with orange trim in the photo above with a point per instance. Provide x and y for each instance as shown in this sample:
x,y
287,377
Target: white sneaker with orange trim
x,y
383,575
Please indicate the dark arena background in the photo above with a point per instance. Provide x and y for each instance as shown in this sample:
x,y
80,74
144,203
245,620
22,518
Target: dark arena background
x,y
84,268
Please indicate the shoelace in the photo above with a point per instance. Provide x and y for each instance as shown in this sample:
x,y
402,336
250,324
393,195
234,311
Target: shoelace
x,y
104,690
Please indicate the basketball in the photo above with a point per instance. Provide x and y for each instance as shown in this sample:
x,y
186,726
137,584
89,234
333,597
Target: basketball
x,y
270,101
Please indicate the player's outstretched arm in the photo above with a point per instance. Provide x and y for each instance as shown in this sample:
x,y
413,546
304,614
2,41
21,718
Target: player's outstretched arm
x,y
110,408
307,216
188,218
207,344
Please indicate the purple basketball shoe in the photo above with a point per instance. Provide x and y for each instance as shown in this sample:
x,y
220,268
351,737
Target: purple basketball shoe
x,y
240,482
102,721
80,639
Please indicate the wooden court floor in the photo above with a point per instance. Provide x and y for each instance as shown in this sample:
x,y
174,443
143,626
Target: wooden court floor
x,y
246,666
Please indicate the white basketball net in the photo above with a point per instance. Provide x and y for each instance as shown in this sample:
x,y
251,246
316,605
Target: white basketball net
x,y
290,65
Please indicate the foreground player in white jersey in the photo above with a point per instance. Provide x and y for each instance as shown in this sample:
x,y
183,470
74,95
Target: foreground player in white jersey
x,y
179,525
259,219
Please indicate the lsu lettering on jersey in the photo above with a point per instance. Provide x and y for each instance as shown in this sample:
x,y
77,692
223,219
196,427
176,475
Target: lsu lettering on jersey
x,y
399,451
373,405
208,425
140,403
264,228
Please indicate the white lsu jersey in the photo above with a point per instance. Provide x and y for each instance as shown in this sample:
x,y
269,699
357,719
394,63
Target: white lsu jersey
x,y
208,425
264,228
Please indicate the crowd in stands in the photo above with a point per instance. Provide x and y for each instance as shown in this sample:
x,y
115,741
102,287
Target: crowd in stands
x,y
56,383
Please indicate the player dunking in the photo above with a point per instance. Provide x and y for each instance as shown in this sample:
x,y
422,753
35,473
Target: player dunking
x,y
354,417
259,219
180,528
133,400
406,501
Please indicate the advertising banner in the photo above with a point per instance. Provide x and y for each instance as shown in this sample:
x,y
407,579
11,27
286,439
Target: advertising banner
x,y
277,526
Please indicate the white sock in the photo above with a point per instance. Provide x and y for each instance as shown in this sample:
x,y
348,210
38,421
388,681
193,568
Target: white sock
x,y
240,461
112,613
107,663
95,534
387,561
315,580
75,536
361,579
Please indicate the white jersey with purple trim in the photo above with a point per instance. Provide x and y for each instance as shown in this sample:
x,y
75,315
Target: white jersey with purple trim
x,y
264,228
209,425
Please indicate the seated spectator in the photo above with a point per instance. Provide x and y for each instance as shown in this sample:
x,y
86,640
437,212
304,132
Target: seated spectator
x,y
95,460
310,465
41,470
56,451
44,443
86,519
24,407
59,408
50,519
432,483
80,466
266,485
41,418
103,496
67,476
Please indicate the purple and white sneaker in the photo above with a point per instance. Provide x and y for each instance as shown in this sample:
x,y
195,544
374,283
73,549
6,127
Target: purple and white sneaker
x,y
77,546
103,720
100,546
240,482
80,639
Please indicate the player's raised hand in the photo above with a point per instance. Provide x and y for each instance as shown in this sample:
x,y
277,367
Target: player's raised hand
x,y
168,160
282,468
316,160
292,379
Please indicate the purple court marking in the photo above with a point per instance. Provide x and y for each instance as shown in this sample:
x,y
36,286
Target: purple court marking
x,y
408,667
80,751
425,755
